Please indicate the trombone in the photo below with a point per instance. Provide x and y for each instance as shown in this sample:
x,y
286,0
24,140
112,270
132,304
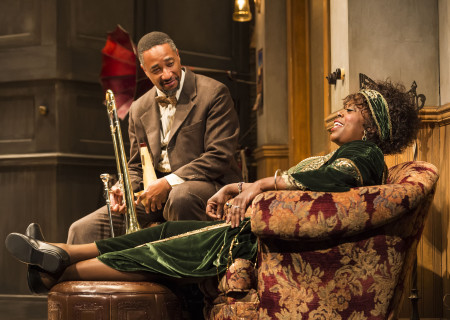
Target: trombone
x,y
124,182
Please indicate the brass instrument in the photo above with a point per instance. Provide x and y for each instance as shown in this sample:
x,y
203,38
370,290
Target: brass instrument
x,y
105,180
124,182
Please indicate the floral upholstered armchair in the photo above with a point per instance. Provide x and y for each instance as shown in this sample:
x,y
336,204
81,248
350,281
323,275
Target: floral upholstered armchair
x,y
330,255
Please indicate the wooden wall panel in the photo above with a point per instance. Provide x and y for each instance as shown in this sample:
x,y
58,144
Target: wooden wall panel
x,y
29,51
17,120
50,189
33,186
444,208
83,35
83,122
25,33
76,121
200,44
432,253
90,20
298,80
24,130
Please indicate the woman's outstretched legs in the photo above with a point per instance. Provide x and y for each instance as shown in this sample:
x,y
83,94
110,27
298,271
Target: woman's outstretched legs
x,y
93,270
79,252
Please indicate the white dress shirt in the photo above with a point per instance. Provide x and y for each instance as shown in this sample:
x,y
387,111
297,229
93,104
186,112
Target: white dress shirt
x,y
167,114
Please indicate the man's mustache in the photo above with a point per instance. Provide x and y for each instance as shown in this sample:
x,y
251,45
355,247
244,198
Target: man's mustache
x,y
163,82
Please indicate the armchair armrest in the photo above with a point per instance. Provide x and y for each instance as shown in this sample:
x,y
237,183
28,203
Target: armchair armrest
x,y
307,215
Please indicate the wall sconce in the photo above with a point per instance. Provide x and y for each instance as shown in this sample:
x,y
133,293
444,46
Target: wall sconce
x,y
242,11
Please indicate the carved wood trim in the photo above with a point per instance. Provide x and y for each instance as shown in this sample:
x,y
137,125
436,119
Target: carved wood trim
x,y
270,158
439,115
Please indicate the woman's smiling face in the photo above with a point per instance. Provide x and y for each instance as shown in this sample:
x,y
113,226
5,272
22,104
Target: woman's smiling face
x,y
349,125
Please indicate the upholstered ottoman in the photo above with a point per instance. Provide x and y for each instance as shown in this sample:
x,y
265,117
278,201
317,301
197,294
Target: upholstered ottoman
x,y
103,300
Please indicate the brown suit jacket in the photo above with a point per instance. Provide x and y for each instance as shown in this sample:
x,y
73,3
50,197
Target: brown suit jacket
x,y
204,134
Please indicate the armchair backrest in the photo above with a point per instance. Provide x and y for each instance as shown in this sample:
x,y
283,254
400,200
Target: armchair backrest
x,y
355,251
419,179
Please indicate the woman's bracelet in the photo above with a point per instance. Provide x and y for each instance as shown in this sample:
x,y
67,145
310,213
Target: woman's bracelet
x,y
275,178
240,186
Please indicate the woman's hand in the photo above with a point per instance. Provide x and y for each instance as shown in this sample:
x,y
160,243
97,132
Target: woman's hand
x,y
236,210
215,204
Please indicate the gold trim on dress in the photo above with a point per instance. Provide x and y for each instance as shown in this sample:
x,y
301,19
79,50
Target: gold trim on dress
x,y
182,235
347,166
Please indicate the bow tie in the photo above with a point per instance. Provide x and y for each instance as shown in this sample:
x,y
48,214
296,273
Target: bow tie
x,y
164,101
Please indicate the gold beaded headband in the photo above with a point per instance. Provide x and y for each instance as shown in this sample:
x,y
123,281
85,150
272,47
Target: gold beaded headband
x,y
380,112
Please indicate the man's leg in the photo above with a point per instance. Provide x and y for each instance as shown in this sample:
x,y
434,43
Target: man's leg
x,y
187,201
95,226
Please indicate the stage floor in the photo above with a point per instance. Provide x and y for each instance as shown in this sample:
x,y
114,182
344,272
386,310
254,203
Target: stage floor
x,y
23,307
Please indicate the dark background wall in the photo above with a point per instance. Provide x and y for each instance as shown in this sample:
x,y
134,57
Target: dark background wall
x,y
50,57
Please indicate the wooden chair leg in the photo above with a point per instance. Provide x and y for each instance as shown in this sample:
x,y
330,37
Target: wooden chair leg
x,y
414,297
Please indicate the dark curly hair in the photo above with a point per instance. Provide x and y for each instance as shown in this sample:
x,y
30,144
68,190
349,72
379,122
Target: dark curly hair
x,y
402,110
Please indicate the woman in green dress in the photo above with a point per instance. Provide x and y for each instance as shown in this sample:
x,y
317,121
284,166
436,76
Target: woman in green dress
x,y
375,121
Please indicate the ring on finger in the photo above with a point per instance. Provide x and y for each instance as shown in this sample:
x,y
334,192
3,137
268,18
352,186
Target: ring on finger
x,y
237,207
229,205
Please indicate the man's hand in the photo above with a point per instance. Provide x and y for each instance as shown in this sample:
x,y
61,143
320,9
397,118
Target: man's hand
x,y
155,195
116,200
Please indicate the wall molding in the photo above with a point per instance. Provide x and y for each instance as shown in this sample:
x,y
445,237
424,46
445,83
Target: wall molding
x,y
269,158
439,115
55,158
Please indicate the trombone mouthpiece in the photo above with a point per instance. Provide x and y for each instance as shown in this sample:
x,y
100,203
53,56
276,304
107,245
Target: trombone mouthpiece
x,y
104,177
110,100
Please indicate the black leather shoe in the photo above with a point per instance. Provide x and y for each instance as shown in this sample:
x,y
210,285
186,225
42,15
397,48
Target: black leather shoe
x,y
32,251
34,231
34,279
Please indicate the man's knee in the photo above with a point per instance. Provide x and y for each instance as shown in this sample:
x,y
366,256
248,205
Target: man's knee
x,y
75,226
186,202
94,226
77,231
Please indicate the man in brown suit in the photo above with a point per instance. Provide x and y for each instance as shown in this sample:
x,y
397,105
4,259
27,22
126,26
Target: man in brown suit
x,y
191,129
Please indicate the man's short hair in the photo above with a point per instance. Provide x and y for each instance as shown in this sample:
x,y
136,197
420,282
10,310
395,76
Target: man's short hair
x,y
152,39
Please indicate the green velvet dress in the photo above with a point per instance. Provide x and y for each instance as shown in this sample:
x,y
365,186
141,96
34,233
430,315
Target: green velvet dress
x,y
195,249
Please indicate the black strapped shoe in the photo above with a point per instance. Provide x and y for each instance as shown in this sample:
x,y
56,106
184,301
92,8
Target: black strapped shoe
x,y
34,231
35,252
34,279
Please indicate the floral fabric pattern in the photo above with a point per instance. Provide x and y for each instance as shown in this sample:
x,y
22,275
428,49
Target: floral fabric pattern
x,y
236,298
337,255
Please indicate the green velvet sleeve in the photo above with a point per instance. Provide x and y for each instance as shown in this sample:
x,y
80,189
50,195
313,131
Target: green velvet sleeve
x,y
354,164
